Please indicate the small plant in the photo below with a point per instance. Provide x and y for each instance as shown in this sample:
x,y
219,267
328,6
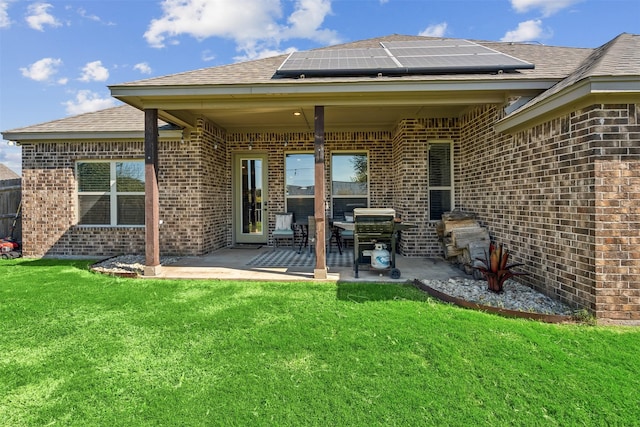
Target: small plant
x,y
585,316
496,269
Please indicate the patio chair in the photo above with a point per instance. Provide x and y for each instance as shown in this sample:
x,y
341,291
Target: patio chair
x,y
347,235
312,235
284,229
328,235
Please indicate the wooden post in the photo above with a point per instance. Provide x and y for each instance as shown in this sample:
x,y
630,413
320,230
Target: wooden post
x,y
320,271
151,194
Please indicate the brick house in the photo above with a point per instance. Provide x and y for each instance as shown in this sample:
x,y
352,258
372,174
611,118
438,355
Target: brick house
x,y
547,156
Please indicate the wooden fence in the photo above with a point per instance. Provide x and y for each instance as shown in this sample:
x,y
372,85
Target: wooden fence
x,y
10,196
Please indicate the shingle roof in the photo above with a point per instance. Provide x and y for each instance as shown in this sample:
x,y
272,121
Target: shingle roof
x,y
566,65
618,58
7,174
123,118
550,63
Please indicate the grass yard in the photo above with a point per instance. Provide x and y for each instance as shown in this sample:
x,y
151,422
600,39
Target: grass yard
x,y
82,349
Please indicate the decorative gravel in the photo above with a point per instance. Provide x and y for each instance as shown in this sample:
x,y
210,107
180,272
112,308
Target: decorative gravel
x,y
127,264
515,296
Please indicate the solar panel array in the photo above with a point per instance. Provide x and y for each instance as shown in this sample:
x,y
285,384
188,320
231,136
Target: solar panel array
x,y
403,57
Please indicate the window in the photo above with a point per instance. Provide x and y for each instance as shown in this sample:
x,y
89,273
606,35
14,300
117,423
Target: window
x,y
299,185
440,179
349,183
110,193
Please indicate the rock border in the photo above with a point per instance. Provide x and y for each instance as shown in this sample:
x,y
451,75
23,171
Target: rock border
x,y
546,318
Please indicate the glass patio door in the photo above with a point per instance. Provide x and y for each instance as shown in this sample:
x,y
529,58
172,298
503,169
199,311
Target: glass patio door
x,y
250,198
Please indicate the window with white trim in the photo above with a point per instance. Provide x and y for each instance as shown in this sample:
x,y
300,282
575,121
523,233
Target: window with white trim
x,y
440,179
349,183
300,185
110,193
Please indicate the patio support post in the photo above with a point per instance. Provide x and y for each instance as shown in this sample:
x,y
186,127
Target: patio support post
x,y
151,196
320,271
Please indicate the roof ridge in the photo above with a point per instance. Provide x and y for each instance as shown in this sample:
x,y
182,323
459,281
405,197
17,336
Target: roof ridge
x,y
589,67
74,116
596,58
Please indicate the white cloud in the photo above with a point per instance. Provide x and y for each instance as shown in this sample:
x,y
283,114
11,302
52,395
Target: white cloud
x,y
11,157
94,72
259,53
86,102
306,21
5,21
91,17
256,26
39,16
83,12
143,67
527,31
547,7
436,30
42,70
207,55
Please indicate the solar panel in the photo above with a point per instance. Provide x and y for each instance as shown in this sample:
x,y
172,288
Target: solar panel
x,y
461,55
349,61
401,57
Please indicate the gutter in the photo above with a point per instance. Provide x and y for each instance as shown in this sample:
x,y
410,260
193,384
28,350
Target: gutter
x,y
610,86
21,137
378,85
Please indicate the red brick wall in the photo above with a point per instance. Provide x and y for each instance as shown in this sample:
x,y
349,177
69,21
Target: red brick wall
x,y
50,200
376,144
618,240
553,195
410,180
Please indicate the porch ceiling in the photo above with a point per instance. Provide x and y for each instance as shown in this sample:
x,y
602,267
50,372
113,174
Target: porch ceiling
x,y
376,105
336,117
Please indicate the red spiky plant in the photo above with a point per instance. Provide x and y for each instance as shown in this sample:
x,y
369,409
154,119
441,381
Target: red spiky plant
x,y
496,268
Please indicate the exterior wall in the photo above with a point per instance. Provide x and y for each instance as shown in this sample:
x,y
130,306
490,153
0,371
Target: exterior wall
x,y
410,188
563,197
618,240
534,192
215,188
615,131
193,223
50,202
377,144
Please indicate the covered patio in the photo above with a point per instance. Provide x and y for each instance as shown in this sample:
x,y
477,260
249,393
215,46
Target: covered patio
x,y
236,264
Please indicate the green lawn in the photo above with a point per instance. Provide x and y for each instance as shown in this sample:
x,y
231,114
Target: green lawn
x,y
82,349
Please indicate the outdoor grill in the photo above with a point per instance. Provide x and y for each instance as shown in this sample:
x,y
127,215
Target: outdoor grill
x,y
371,226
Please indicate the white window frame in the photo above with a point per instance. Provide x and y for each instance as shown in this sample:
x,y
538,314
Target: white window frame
x,y
352,152
450,188
112,193
286,196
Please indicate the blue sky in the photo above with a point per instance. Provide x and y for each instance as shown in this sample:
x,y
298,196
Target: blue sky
x,y
58,57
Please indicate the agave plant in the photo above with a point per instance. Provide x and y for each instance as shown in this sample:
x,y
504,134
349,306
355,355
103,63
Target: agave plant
x,y
496,268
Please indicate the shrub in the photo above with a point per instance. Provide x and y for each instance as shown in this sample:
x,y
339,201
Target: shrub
x,y
496,269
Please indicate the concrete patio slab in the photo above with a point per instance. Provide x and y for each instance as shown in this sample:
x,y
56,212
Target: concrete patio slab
x,y
231,264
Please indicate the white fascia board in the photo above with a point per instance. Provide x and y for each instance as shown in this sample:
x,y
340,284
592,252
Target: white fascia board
x,y
571,96
543,107
26,137
622,85
324,88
